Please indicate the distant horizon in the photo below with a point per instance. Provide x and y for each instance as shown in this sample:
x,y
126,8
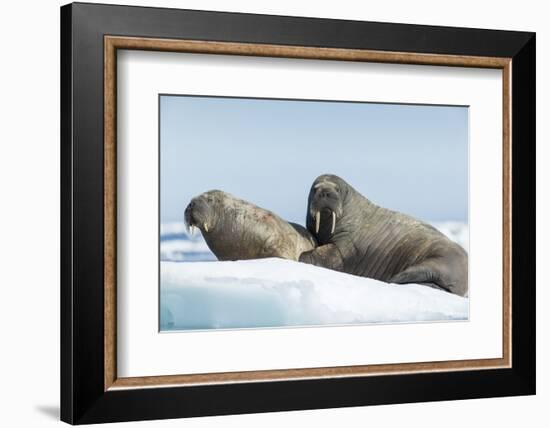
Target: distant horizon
x,y
409,158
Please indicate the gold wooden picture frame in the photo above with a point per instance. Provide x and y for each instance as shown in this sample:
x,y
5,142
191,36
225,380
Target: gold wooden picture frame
x,y
114,43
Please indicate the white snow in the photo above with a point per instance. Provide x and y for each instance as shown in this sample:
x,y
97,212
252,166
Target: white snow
x,y
276,293
210,294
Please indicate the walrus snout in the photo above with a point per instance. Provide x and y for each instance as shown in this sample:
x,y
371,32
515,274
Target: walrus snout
x,y
197,215
325,208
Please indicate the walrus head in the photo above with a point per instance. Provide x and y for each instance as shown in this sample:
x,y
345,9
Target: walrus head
x,y
203,211
325,205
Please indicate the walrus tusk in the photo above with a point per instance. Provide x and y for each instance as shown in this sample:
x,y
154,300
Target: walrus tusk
x,y
205,227
191,230
333,222
317,221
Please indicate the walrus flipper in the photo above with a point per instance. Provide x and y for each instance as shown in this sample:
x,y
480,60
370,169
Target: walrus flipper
x,y
327,256
418,274
440,276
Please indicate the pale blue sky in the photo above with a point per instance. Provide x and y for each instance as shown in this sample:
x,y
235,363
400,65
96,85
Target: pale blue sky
x,y
410,158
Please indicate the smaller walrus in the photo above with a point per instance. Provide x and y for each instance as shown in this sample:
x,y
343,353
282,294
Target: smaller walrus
x,y
238,230
358,237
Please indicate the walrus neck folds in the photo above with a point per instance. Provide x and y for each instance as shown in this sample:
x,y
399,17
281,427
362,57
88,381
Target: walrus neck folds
x,y
355,208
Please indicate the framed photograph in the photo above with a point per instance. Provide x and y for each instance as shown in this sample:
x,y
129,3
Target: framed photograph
x,y
265,213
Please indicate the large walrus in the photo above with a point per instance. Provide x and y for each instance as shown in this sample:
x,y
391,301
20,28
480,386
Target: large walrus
x,y
358,237
238,230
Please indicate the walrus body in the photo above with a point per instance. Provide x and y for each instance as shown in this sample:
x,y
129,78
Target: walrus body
x,y
235,229
358,237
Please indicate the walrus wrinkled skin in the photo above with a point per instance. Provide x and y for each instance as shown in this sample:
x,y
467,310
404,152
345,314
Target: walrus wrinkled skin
x,y
235,229
358,237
